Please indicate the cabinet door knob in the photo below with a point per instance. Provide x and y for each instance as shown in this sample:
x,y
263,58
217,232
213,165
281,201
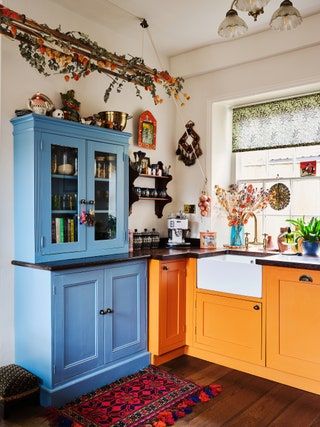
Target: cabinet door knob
x,y
305,278
256,307
105,311
165,268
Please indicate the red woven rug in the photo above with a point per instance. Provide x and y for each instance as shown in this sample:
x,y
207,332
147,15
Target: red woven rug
x,y
151,397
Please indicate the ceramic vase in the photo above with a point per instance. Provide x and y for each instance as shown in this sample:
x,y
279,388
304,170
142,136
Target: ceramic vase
x,y
237,235
310,248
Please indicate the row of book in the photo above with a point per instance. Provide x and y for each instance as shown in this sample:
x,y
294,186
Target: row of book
x,y
63,230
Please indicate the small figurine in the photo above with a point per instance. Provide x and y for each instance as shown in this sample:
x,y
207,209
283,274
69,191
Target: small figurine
x,y
71,106
58,114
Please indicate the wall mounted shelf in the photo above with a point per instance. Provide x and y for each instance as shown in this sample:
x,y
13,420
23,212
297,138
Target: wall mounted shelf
x,y
160,185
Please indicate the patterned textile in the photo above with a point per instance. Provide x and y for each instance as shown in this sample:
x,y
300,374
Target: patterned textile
x,y
16,382
152,397
285,123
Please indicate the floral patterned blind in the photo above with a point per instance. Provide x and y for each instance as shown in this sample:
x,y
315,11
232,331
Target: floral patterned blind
x,y
285,123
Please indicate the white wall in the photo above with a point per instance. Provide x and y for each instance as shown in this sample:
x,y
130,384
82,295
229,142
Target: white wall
x,y
212,93
20,81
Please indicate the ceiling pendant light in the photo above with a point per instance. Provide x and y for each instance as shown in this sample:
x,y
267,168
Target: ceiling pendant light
x,y
253,7
232,26
286,17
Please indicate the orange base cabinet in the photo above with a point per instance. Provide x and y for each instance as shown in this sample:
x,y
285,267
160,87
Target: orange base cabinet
x,y
167,309
293,321
229,326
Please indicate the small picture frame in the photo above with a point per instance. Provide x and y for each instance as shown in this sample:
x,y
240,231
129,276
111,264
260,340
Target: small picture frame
x,y
147,131
208,240
308,168
145,165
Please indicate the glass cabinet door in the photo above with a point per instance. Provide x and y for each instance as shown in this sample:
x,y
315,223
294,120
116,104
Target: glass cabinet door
x,y
64,160
106,195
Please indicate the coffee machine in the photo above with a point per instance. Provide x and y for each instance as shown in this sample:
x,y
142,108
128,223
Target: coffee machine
x,y
177,230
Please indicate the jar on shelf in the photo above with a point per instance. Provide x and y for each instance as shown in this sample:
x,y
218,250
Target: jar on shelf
x,y
66,161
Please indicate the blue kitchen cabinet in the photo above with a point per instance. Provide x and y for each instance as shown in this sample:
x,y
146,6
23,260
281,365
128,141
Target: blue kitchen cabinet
x,y
80,329
71,189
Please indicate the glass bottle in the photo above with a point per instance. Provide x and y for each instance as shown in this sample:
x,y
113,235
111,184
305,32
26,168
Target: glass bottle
x,y
146,239
155,237
137,240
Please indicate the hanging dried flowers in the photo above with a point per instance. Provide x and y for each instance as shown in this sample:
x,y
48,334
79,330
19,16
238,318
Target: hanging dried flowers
x,y
75,56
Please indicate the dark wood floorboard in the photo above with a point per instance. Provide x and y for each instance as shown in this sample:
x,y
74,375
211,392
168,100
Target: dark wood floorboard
x,y
246,401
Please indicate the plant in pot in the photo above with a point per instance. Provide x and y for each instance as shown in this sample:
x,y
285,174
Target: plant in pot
x,y
309,233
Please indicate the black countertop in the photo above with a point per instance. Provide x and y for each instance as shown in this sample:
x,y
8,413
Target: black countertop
x,y
164,254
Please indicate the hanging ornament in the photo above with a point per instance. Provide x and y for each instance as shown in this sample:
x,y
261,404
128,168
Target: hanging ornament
x,y
204,204
188,147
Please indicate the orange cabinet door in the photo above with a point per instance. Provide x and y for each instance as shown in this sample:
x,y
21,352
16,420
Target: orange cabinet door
x,y
167,306
229,326
172,306
293,321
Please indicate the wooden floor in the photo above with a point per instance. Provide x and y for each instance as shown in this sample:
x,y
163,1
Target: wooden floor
x,y
246,401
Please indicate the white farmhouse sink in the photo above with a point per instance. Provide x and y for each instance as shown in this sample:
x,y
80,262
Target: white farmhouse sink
x,y
234,274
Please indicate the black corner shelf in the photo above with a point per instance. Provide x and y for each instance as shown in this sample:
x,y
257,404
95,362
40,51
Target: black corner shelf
x,y
160,184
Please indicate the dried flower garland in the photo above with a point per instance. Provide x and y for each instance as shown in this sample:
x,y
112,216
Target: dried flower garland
x,y
241,203
75,55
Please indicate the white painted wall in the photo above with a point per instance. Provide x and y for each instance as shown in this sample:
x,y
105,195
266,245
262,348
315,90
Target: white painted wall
x,y
20,81
212,94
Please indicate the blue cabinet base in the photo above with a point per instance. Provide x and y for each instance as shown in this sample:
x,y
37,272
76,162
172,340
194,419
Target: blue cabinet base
x,y
64,393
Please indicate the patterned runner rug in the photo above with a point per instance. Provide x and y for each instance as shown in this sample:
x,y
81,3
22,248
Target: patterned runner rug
x,y
152,397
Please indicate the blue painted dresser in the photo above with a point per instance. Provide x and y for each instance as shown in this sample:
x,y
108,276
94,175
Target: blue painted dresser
x,y
79,324
63,169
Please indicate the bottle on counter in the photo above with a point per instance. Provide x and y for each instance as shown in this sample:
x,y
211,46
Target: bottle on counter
x,y
146,239
282,239
155,239
137,240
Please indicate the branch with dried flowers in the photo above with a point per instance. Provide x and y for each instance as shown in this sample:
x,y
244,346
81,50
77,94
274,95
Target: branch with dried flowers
x,y
241,203
74,55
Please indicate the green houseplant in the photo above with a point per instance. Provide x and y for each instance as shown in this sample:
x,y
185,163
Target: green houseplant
x,y
309,233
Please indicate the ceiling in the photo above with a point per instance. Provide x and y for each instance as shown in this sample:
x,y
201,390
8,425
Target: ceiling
x,y
176,26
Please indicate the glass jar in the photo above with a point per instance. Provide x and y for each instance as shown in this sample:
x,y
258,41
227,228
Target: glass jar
x,y
137,240
155,239
146,239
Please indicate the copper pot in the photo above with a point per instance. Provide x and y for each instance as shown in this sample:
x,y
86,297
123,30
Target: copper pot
x,y
114,119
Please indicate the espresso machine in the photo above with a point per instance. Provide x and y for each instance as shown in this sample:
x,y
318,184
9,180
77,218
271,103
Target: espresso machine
x,y
177,230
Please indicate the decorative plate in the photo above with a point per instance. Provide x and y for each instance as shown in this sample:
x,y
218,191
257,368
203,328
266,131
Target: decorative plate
x,y
279,196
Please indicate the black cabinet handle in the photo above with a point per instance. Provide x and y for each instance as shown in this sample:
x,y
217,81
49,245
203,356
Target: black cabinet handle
x,y
305,278
165,268
105,311
256,307
83,202
91,202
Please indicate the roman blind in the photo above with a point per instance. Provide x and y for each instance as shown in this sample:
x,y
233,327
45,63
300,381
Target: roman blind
x,y
285,123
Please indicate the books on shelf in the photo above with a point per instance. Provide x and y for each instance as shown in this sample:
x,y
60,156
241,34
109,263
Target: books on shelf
x,y
63,230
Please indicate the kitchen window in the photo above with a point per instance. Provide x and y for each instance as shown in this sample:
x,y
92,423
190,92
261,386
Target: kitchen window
x,y
259,163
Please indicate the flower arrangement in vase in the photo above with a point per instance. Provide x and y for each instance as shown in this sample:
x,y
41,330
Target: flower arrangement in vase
x,y
240,203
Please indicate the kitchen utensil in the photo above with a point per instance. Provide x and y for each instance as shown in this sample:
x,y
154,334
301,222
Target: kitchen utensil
x,y
114,119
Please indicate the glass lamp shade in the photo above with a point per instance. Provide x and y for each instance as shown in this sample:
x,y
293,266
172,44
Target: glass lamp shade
x,y
251,5
286,17
232,26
